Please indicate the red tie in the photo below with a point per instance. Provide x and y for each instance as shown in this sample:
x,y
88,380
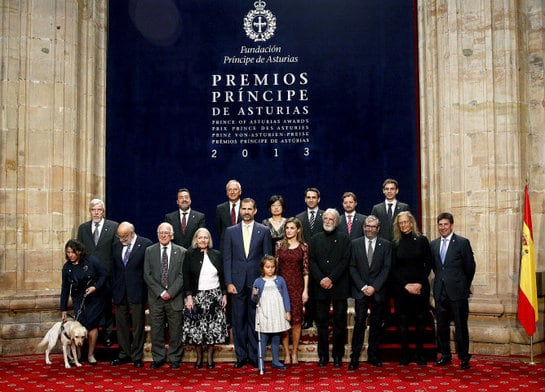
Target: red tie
x,y
184,222
233,215
349,223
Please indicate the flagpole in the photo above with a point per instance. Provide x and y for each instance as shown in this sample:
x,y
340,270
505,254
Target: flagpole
x,y
531,351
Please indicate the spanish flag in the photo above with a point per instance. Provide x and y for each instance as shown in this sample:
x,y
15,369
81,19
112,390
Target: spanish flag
x,y
527,302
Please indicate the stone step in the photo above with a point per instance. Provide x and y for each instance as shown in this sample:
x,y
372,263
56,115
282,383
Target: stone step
x,y
307,351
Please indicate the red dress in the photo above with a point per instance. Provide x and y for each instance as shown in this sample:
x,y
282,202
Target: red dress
x,y
292,266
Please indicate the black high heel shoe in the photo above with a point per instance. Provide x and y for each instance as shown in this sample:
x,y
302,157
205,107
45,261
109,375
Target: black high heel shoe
x,y
211,365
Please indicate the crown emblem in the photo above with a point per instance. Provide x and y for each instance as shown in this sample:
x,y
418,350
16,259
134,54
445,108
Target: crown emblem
x,y
259,24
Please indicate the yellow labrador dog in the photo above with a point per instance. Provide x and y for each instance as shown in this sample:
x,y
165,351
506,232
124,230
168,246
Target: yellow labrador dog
x,y
72,335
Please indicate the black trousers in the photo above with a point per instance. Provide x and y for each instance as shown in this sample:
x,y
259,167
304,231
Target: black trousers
x,y
459,311
338,319
361,307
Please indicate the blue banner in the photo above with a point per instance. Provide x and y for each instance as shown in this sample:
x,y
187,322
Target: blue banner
x,y
280,95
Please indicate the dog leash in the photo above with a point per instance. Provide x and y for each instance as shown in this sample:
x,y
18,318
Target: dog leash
x,y
82,307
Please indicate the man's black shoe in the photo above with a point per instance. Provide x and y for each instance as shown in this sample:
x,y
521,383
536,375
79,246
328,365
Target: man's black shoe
x,y
323,361
465,364
156,364
443,362
241,363
119,361
353,365
252,363
337,362
138,364
374,362
175,365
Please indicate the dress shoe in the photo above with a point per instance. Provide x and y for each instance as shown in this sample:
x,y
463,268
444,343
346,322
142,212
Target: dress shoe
x,y
404,362
119,361
443,362
353,365
278,366
374,362
421,361
241,363
323,361
306,325
108,342
138,364
156,364
337,362
198,364
175,365
211,365
465,364
253,363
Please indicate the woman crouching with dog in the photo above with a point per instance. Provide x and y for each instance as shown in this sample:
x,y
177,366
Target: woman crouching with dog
x,y
83,277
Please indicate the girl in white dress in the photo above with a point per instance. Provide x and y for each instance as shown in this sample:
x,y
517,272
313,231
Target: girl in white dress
x,y
273,309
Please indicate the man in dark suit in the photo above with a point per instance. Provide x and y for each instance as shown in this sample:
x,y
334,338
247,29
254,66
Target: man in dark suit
x,y
185,220
163,265
386,213
329,256
454,268
370,264
351,221
129,294
227,213
389,208
98,236
245,245
313,215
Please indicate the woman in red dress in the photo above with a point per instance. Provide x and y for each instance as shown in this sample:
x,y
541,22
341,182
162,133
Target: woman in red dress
x,y
292,255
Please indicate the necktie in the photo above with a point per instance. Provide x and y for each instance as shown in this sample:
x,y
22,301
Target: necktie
x,y
246,239
311,220
233,215
370,252
96,233
390,212
127,254
184,222
164,268
349,223
443,251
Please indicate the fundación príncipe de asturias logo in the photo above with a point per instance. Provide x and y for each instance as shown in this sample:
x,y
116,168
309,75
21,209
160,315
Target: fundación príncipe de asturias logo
x,y
259,24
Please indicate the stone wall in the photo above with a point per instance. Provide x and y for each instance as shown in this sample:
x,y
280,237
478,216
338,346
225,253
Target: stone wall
x,y
482,136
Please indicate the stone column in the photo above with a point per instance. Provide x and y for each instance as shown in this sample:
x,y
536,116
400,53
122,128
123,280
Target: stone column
x,y
52,93
474,89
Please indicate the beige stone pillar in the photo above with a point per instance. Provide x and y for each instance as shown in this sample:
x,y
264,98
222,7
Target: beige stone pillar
x,y
475,134
52,92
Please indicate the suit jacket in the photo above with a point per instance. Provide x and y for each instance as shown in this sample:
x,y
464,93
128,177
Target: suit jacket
x,y
456,274
386,225
376,274
329,256
129,279
103,249
358,221
223,219
241,270
152,274
318,224
192,269
195,220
